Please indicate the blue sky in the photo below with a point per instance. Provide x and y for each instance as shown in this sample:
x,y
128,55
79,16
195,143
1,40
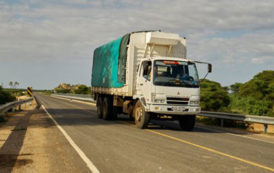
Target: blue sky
x,y
44,43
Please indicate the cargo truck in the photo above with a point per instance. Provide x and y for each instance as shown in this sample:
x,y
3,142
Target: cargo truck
x,y
146,75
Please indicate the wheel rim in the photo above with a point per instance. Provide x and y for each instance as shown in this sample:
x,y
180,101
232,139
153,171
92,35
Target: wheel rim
x,y
139,114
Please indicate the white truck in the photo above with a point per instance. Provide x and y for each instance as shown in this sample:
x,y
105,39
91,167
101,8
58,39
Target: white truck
x,y
146,74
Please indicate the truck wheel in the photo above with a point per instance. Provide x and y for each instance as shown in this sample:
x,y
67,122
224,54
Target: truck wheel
x,y
140,115
107,108
187,122
131,116
114,113
99,105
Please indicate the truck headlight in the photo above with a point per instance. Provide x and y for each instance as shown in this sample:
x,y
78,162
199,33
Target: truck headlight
x,y
157,98
194,102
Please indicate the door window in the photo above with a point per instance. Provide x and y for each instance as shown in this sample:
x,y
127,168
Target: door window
x,y
146,70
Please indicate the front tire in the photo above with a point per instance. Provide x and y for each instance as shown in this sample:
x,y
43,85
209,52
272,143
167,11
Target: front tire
x,y
141,117
187,122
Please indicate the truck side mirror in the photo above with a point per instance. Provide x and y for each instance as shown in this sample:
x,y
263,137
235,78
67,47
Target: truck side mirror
x,y
209,68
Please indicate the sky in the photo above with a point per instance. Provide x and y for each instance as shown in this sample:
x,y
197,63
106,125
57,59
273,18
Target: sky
x,y
47,42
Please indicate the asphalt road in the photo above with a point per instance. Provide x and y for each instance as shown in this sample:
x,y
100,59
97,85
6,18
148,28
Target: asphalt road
x,y
118,146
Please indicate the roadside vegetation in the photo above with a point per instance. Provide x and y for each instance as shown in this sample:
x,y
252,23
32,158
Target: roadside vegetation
x,y
255,97
15,92
214,97
73,89
5,96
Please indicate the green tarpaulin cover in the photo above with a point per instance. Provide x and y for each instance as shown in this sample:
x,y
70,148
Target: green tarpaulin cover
x,y
109,64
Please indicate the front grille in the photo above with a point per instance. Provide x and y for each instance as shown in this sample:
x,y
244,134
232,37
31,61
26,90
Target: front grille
x,y
177,100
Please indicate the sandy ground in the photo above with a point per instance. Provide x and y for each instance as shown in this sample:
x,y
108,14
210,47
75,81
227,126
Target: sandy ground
x,y
259,128
12,134
30,142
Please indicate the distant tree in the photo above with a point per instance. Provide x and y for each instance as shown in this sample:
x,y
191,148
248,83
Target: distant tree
x,y
260,86
5,96
63,90
214,97
249,105
89,90
226,88
16,84
11,84
255,96
235,87
82,89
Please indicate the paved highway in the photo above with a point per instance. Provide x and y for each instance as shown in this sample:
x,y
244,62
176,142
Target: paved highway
x,y
117,146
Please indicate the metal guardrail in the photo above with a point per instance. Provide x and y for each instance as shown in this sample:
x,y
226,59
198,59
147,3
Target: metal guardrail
x,y
221,115
74,95
6,107
81,97
238,117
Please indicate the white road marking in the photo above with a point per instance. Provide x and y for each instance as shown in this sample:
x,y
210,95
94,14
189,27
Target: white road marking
x,y
79,101
232,134
90,165
249,137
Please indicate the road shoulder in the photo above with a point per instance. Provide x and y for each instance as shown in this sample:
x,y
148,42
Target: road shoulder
x,y
30,142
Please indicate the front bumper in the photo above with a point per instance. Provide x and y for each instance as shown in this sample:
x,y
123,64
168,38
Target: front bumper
x,y
174,109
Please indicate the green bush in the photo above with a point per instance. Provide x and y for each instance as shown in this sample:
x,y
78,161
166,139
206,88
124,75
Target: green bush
x,y
235,88
75,89
82,89
5,96
63,90
255,96
250,105
214,97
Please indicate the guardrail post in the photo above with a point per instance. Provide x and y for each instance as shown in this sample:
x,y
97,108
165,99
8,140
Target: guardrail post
x,y
222,123
265,128
3,115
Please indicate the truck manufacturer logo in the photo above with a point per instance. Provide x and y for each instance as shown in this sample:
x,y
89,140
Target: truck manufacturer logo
x,y
178,93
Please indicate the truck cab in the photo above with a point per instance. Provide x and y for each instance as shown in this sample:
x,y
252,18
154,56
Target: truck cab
x,y
169,87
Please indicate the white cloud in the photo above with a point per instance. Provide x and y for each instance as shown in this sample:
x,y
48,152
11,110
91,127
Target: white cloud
x,y
228,32
262,60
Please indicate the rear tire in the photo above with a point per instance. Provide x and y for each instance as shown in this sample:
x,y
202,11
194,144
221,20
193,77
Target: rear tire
x,y
187,122
99,105
140,115
114,113
107,108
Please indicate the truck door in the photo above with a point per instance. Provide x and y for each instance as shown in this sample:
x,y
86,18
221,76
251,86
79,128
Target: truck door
x,y
144,79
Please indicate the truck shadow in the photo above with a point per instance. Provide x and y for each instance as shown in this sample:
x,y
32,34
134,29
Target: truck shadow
x,y
77,117
164,125
174,125
10,151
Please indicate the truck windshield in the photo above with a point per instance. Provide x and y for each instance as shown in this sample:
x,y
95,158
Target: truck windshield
x,y
175,73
